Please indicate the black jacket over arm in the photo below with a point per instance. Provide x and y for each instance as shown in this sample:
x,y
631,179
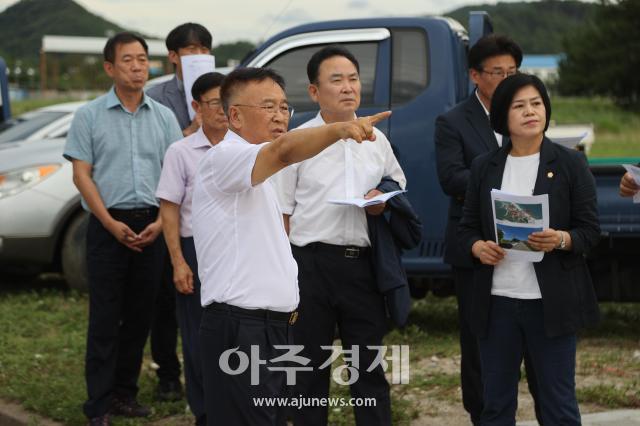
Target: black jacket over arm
x,y
461,134
568,297
402,231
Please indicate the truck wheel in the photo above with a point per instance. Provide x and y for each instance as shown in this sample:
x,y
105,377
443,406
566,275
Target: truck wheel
x,y
74,249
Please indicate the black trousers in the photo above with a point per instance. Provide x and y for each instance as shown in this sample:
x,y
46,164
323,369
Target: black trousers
x,y
230,398
164,329
516,328
470,369
189,312
122,290
335,289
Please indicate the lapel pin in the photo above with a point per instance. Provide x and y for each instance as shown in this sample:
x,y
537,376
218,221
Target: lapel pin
x,y
550,175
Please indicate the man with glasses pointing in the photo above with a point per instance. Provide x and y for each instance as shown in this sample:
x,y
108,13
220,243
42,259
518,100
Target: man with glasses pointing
x,y
249,277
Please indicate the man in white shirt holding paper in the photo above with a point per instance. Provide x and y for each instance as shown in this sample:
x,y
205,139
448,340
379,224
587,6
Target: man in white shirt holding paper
x,y
331,242
248,275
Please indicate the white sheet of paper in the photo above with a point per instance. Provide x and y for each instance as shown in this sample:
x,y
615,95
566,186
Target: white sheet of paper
x,y
193,66
516,216
361,202
635,172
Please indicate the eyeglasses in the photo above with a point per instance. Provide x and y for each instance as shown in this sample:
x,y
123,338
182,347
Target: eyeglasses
x,y
272,109
212,103
500,73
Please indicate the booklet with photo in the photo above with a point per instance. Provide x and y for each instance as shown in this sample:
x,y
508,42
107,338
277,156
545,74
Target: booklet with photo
x,y
514,218
361,202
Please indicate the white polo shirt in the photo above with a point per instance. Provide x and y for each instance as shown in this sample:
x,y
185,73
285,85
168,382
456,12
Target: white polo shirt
x,y
244,256
345,169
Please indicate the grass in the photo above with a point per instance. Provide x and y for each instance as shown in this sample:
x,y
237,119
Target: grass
x,y
41,364
42,336
617,131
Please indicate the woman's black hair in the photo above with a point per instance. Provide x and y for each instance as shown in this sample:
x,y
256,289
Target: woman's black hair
x,y
503,96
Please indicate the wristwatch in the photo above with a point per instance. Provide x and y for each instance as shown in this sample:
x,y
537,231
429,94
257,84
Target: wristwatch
x,y
563,243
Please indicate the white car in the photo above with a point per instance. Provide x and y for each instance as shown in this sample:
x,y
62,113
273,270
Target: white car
x,y
44,123
42,225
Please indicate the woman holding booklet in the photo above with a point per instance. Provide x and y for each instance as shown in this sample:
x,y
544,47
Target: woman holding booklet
x,y
523,305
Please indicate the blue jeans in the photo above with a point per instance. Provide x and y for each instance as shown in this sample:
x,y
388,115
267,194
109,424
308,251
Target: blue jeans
x,y
516,324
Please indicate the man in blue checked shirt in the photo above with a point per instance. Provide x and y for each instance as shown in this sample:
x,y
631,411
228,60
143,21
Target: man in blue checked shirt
x,y
117,143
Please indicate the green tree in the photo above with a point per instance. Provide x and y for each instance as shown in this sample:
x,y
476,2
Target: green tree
x,y
604,57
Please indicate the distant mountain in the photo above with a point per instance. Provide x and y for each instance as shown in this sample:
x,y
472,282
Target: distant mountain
x,y
23,24
539,27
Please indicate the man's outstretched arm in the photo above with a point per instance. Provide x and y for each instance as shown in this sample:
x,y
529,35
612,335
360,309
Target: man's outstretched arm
x,y
301,144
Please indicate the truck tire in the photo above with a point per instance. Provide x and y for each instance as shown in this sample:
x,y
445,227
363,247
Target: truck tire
x,y
73,254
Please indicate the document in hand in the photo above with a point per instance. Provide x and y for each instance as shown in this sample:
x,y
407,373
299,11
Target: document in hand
x,y
514,218
361,202
635,172
193,66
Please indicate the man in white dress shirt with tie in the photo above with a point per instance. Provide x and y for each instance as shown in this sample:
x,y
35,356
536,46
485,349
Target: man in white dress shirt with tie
x,y
331,242
248,275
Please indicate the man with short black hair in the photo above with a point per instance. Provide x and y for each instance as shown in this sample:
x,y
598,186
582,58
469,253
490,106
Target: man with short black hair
x,y
116,143
332,245
186,39
249,277
462,134
175,192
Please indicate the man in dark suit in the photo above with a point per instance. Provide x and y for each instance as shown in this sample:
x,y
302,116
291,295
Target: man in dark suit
x,y
461,135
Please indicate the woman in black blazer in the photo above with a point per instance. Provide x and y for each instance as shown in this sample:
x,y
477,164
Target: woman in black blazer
x,y
523,306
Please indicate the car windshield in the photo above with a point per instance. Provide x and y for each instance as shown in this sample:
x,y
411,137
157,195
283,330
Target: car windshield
x,y
29,123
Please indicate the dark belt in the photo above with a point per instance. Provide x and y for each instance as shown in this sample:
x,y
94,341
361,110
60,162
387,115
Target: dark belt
x,y
350,252
289,317
142,213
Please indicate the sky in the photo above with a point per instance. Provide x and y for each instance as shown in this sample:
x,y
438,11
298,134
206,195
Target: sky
x,y
253,20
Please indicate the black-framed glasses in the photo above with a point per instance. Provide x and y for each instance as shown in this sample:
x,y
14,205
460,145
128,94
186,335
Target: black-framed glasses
x,y
500,73
272,109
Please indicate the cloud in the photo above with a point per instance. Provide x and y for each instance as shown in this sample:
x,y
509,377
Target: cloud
x,y
293,16
358,4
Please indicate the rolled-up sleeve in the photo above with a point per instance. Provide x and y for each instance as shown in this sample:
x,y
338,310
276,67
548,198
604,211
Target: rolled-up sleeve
x,y
78,145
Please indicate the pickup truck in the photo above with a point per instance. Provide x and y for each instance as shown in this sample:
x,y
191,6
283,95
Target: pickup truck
x,y
417,68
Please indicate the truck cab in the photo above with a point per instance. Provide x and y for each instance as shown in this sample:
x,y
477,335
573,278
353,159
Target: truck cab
x,y
415,67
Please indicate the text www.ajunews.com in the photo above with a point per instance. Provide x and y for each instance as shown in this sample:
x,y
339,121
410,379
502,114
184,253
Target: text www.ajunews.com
x,y
301,402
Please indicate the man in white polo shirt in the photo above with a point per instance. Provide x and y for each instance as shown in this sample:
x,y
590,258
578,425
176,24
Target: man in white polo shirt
x,y
248,274
332,245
